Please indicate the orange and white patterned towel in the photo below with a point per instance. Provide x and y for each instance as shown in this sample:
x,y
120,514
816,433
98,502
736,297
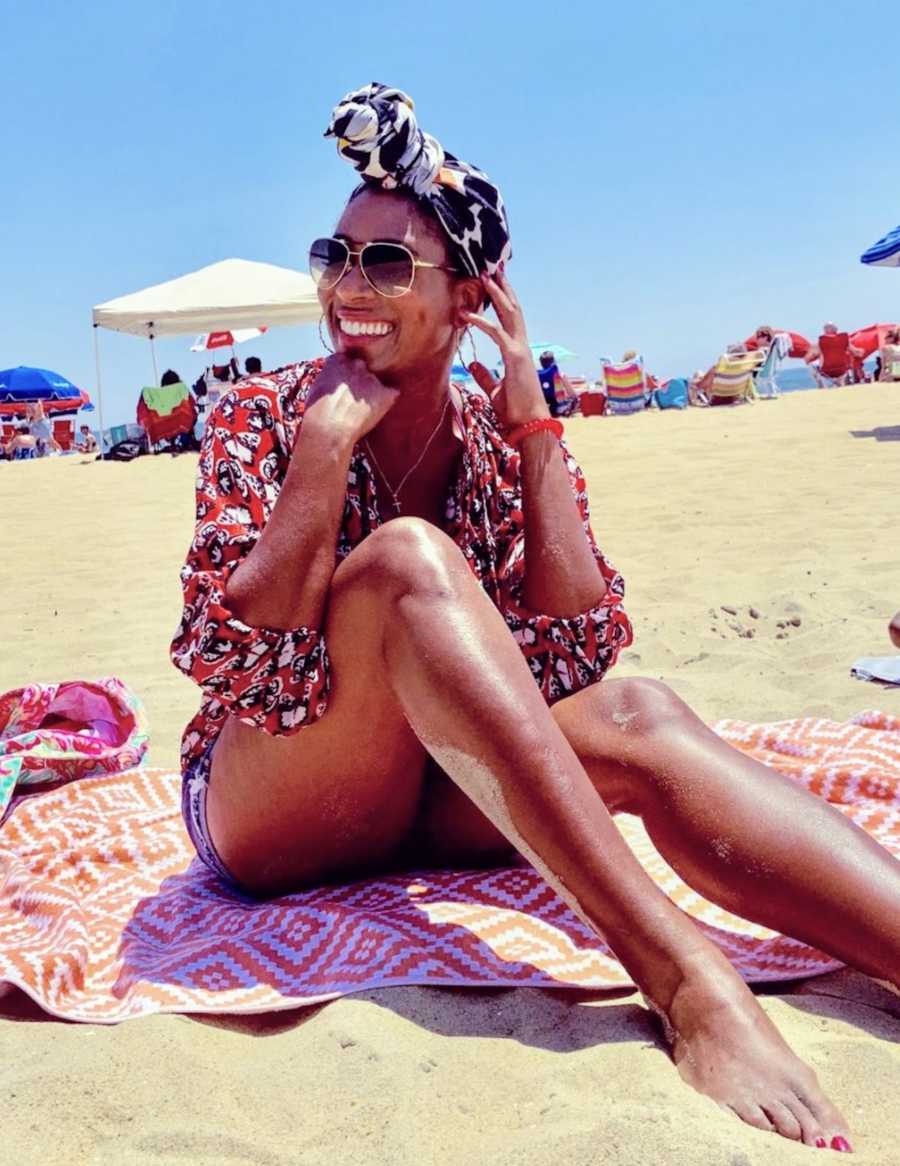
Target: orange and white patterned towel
x,y
106,914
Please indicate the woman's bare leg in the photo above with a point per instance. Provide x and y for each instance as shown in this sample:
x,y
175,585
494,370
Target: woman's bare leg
x,y
741,834
425,631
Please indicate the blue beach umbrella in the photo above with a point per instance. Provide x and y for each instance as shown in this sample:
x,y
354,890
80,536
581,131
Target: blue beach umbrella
x,y
560,352
24,385
884,253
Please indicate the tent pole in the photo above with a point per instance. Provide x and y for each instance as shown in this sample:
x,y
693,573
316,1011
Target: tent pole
x,y
99,387
153,354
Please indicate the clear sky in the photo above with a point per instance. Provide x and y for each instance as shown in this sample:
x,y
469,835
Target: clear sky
x,y
675,174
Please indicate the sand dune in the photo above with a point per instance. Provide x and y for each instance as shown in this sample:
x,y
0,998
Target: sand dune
x,y
759,549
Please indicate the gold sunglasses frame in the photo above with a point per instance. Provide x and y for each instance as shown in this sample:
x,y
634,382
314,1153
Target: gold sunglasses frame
x,y
359,256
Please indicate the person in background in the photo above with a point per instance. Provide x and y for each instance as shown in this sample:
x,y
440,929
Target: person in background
x,y
252,366
41,430
838,358
561,398
87,442
696,393
170,377
889,356
23,444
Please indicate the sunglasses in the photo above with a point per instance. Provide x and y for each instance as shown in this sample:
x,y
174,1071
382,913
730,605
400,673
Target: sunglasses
x,y
388,268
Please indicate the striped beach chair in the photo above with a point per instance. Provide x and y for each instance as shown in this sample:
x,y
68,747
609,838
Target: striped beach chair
x,y
732,379
626,387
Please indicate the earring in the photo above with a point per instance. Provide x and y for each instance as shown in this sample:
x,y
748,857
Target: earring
x,y
322,339
467,332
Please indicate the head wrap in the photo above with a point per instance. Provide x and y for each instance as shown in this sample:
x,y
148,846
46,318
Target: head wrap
x,y
377,132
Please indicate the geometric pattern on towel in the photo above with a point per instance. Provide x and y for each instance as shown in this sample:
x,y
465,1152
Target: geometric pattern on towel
x,y
106,914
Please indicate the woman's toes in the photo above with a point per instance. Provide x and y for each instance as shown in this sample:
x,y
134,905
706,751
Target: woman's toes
x,y
785,1122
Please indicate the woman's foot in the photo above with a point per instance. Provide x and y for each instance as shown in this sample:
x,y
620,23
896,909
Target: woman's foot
x,y
725,1046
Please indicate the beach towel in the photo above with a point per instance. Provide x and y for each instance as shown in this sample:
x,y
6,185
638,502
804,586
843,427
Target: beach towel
x,y
166,412
672,394
106,913
626,387
164,399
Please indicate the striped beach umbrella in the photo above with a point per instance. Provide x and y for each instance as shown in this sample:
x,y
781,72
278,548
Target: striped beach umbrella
x,y
884,253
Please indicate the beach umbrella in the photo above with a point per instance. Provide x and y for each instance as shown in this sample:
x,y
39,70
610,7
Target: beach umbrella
x,y
560,352
870,339
23,386
799,344
884,253
210,340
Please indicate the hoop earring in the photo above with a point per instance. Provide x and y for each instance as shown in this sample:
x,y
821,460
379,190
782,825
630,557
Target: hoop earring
x,y
322,339
459,353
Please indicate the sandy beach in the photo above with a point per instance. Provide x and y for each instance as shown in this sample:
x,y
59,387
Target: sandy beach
x,y
759,550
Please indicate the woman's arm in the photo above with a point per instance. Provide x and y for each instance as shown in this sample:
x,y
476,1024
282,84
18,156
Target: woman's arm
x,y
562,576
284,580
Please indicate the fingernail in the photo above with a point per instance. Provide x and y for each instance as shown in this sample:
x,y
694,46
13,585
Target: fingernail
x,y
821,1144
841,1144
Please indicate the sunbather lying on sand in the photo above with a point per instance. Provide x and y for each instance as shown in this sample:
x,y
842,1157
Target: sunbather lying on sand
x,y
401,621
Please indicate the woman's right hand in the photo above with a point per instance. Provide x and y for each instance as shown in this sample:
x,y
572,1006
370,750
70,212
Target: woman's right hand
x,y
347,400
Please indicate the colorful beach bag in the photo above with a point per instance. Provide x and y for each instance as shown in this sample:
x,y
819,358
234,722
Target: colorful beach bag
x,y
60,732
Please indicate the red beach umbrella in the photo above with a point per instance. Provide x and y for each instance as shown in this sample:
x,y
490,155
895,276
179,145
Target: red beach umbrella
x,y
225,339
799,344
870,339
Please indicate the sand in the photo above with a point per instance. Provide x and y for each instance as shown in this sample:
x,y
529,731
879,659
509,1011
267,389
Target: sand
x,y
785,508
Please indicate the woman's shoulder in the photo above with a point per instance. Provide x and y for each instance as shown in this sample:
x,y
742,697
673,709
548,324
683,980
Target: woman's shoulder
x,y
281,392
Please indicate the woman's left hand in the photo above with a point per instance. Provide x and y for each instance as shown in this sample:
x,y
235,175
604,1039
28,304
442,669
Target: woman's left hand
x,y
518,397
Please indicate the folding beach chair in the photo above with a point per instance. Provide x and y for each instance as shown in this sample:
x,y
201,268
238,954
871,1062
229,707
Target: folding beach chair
x,y
64,432
626,387
835,361
732,379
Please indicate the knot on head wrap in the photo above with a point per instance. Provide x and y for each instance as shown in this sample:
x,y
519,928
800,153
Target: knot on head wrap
x,y
377,132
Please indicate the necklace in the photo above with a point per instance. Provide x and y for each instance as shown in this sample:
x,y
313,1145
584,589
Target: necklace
x,y
395,494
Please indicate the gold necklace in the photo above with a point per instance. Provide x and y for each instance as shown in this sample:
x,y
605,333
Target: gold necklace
x,y
395,494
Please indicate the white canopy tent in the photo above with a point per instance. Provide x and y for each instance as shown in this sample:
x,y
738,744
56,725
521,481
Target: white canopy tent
x,y
235,293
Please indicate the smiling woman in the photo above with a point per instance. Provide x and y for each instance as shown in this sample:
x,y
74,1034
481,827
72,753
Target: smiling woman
x,y
400,618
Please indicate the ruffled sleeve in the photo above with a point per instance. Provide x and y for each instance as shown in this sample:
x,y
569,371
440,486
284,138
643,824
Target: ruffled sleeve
x,y
565,653
274,679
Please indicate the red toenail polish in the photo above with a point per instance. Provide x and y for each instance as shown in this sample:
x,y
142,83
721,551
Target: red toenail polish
x,y
841,1144
821,1144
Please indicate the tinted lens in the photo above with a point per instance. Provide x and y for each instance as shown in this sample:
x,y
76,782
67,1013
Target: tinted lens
x,y
388,267
327,260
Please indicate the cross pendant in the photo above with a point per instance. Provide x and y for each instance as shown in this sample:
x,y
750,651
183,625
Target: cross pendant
x,y
397,505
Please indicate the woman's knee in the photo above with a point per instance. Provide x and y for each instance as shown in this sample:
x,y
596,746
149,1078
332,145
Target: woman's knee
x,y
631,707
405,555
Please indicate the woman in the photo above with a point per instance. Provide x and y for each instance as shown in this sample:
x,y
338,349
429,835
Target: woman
x,y
382,570
41,429
889,355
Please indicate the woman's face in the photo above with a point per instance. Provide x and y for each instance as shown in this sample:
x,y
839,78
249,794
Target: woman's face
x,y
424,324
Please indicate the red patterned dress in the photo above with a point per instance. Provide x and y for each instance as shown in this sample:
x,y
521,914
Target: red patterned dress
x,y
279,680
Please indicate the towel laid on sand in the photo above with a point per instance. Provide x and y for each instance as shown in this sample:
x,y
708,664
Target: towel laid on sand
x,y
106,914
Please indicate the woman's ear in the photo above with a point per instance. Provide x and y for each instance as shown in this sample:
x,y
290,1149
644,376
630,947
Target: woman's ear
x,y
469,297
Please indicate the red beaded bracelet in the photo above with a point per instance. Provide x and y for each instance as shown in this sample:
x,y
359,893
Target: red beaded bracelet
x,y
538,425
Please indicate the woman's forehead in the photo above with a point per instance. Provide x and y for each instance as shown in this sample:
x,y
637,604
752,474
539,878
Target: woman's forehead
x,y
380,216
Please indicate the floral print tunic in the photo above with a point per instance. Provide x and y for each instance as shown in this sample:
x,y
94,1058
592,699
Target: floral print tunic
x,y
279,680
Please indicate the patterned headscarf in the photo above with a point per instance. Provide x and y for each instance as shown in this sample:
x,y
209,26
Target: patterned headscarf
x,y
377,132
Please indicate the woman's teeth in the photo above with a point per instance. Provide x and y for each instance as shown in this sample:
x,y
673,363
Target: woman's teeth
x,y
365,328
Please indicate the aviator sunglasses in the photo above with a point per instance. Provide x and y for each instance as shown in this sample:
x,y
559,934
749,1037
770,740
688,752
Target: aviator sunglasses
x,y
388,268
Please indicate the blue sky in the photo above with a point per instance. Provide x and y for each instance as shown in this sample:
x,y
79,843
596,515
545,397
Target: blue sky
x,y
674,174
